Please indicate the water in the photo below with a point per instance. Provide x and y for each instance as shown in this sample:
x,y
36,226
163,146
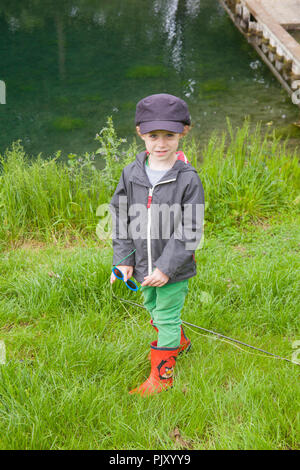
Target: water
x,y
68,65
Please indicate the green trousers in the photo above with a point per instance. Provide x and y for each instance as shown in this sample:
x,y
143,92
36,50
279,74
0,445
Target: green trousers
x,y
165,304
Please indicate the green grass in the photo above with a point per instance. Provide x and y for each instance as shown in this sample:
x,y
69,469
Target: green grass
x,y
247,177
73,351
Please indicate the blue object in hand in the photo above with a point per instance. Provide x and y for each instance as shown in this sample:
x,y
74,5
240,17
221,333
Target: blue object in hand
x,y
130,284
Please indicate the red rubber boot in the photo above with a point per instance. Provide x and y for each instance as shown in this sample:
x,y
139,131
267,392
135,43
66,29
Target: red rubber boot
x,y
161,376
185,343
155,327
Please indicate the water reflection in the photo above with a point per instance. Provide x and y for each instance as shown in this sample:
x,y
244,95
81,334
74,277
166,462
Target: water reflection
x,y
173,17
13,24
193,8
68,65
61,46
168,11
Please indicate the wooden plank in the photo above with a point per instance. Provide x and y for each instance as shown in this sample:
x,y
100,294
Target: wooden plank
x,y
265,23
262,11
258,50
284,12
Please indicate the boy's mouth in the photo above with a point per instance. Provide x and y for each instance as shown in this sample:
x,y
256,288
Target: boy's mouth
x,y
161,152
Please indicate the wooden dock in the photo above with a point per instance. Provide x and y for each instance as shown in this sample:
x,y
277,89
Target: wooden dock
x,y
272,28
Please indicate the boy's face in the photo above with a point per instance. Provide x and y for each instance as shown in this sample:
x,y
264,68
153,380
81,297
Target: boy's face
x,y
161,144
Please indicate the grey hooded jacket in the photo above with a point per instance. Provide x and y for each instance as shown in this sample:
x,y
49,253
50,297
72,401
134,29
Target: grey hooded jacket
x,y
162,223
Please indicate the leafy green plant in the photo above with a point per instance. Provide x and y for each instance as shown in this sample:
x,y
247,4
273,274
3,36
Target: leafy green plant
x,y
110,150
80,163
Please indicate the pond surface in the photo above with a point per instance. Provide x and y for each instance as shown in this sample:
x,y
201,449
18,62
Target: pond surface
x,y
69,65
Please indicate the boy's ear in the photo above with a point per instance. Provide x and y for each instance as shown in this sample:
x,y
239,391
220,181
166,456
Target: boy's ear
x,y
186,130
138,131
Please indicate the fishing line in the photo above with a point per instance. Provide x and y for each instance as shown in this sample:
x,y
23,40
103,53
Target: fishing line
x,y
218,335
231,344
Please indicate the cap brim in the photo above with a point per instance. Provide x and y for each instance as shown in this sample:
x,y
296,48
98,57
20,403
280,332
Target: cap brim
x,y
172,126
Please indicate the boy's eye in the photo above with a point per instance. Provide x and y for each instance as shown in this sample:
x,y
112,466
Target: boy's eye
x,y
153,136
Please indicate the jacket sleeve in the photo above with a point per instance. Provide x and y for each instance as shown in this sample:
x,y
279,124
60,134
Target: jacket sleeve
x,y
183,242
122,243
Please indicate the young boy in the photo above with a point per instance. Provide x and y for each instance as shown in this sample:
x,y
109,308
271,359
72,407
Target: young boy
x,y
159,250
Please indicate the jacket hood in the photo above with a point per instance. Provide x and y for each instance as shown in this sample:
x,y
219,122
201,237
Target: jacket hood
x,y
139,173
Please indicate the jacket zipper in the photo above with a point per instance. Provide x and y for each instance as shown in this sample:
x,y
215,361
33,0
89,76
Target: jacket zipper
x,y
149,224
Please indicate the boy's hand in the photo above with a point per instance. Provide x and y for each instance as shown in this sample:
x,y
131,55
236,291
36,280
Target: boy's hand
x,y
157,279
127,272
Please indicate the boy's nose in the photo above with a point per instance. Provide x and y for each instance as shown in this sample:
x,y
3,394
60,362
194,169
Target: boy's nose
x,y
161,141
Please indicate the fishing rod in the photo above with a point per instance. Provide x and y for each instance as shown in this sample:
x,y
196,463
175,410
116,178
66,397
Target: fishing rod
x,y
219,335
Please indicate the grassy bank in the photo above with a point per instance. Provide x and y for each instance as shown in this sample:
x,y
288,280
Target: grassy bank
x,y
73,351
246,178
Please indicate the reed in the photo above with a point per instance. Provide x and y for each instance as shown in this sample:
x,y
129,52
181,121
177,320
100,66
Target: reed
x,y
247,177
